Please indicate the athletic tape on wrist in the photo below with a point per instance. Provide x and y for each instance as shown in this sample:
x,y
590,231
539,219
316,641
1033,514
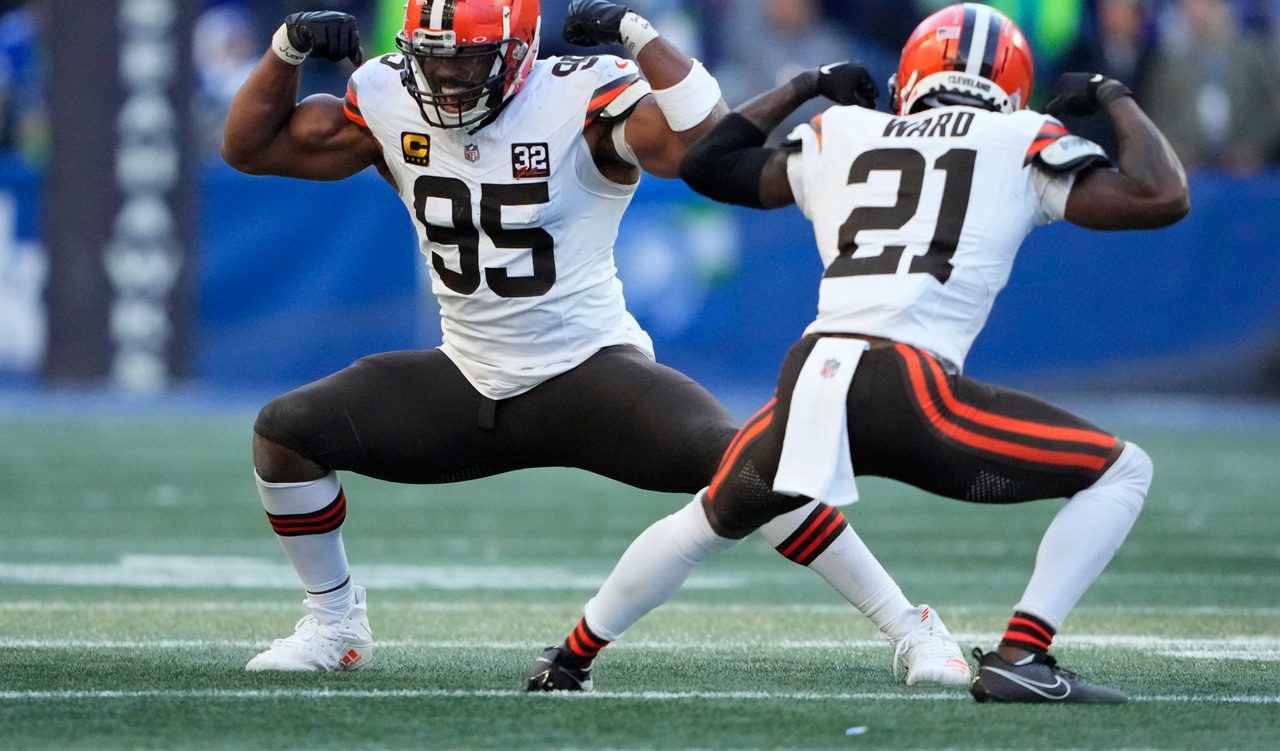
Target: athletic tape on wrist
x,y
284,49
635,32
688,103
1111,90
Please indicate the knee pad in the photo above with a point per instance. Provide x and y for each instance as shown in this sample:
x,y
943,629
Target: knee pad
x,y
746,501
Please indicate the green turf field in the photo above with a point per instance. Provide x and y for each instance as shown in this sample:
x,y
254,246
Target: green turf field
x,y
137,575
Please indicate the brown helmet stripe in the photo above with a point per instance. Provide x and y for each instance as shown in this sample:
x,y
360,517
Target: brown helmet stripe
x,y
960,59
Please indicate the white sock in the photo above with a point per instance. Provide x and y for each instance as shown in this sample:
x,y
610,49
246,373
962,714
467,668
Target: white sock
x,y
652,569
846,563
1085,535
307,518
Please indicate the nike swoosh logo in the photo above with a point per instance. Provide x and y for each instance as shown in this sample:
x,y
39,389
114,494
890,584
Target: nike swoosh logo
x,y
1035,686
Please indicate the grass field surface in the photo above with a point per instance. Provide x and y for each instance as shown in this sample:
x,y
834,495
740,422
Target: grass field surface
x,y
137,575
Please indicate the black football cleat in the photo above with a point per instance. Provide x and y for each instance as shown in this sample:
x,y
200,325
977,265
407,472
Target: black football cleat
x,y
551,671
1036,681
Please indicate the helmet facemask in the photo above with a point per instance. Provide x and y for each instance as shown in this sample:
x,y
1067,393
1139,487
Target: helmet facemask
x,y
458,86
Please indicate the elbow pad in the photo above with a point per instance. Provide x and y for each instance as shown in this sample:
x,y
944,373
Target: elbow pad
x,y
727,164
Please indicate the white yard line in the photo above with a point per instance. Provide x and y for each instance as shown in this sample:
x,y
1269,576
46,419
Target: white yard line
x,y
292,606
236,694
1202,648
233,572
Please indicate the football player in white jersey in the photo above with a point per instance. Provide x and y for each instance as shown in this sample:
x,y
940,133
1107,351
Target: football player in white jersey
x,y
918,215
516,172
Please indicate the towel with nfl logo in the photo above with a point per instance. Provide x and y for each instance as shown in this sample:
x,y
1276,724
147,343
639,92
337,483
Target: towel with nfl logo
x,y
815,459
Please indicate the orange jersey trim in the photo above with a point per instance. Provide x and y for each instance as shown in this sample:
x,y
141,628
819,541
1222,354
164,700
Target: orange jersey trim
x,y
605,95
1049,133
351,108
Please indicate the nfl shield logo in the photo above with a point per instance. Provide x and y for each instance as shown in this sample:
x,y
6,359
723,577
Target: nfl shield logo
x,y
472,153
830,368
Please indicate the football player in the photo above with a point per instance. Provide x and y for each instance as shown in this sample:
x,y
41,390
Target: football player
x,y
516,172
918,216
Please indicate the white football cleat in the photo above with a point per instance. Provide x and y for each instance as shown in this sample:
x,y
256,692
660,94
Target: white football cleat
x,y
928,653
317,647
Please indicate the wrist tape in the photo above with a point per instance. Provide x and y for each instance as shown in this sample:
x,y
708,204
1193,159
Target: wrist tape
x,y
284,49
688,103
636,33
1111,90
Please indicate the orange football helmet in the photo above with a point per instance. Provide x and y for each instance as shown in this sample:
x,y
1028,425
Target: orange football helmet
x,y
964,54
465,59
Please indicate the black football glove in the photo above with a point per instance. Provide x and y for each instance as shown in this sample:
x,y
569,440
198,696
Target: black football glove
x,y
843,83
593,22
1084,94
848,83
326,34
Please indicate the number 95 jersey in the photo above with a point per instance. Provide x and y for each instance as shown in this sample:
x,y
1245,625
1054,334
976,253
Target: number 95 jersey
x,y
918,218
517,223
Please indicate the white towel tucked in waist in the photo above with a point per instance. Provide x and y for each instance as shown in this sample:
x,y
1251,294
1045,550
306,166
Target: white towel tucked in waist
x,y
815,450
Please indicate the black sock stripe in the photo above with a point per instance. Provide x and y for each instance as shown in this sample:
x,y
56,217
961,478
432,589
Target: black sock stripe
x,y
826,542
339,499
344,583
803,528
1050,630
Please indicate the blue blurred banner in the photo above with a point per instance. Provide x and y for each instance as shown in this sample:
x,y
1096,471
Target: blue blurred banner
x,y
298,279
24,270
301,278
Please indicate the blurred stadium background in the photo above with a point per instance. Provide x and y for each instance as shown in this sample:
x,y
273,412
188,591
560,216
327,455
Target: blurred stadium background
x,y
151,299
131,257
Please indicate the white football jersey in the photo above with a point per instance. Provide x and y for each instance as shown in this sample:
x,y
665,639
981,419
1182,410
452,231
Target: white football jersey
x,y
918,218
517,223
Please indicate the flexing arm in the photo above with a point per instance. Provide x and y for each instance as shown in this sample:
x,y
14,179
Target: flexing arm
x,y
269,133
731,163
1150,188
684,105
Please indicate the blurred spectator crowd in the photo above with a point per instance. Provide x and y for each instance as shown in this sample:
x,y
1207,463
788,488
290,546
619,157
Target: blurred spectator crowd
x,y
1206,70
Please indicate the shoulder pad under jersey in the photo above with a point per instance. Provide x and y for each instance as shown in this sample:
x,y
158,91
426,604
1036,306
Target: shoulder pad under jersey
x,y
1071,154
620,88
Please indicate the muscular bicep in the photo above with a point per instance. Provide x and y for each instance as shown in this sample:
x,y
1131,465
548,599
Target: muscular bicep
x,y
1107,199
319,142
775,182
657,147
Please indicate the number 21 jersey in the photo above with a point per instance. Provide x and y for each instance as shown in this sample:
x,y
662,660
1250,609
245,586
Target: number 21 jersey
x,y
918,218
515,220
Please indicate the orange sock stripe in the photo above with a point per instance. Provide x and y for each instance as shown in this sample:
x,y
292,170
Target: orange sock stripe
x,y
576,647
829,534
326,519
814,526
1040,630
1021,638
984,443
585,637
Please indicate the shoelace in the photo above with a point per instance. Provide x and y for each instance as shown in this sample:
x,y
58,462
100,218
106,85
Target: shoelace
x,y
306,627
906,643
1052,662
